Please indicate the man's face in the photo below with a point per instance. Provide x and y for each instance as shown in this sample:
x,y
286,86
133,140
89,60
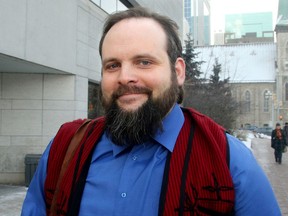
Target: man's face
x,y
138,86
135,63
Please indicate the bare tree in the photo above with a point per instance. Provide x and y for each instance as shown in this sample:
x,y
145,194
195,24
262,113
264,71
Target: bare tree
x,y
211,96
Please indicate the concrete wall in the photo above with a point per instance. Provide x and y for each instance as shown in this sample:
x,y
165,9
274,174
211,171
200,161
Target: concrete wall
x,y
58,34
62,35
171,8
39,31
32,108
256,116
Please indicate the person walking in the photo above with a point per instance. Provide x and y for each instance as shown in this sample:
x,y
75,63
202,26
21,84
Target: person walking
x,y
148,155
278,142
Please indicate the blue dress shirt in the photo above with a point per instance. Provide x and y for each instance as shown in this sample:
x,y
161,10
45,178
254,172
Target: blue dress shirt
x,y
127,181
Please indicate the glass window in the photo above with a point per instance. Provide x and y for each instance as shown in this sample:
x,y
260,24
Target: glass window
x,y
97,2
110,6
247,101
94,104
266,97
120,6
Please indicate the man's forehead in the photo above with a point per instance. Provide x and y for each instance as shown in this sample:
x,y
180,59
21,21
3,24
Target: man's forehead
x,y
133,31
136,23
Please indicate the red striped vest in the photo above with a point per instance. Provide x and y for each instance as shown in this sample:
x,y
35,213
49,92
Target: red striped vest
x,y
196,179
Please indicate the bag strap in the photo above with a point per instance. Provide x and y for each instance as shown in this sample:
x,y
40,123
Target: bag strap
x,y
74,143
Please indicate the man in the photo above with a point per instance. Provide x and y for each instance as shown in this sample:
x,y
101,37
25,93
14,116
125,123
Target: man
x,y
285,131
148,156
278,142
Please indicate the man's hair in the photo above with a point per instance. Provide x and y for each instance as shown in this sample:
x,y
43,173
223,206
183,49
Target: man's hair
x,y
174,47
173,44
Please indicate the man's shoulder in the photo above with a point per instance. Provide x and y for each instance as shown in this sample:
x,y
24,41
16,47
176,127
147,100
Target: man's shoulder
x,y
201,118
193,111
75,124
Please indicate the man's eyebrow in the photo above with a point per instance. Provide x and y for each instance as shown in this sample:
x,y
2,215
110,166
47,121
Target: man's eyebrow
x,y
105,61
139,56
145,55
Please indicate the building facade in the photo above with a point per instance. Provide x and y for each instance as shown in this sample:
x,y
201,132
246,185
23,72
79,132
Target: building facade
x,y
197,14
256,24
281,29
256,65
246,28
48,59
251,72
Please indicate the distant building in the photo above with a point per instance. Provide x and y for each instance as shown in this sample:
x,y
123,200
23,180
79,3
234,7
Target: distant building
x,y
257,67
197,14
251,70
248,28
281,29
219,38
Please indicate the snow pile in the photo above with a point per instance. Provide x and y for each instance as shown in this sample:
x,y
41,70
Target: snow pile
x,y
249,136
246,136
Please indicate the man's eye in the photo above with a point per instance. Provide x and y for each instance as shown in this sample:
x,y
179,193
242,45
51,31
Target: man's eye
x,y
144,62
112,66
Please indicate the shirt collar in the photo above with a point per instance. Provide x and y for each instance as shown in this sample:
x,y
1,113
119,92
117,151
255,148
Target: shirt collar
x,y
172,124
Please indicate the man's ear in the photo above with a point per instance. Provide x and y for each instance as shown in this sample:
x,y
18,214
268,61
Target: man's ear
x,y
180,68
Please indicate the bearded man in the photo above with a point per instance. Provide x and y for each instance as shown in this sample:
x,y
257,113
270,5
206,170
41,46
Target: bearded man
x,y
148,155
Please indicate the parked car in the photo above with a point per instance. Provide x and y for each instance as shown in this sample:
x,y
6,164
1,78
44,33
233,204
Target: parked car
x,y
250,127
265,130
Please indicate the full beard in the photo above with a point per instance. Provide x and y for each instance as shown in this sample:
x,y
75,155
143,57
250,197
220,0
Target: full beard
x,y
129,128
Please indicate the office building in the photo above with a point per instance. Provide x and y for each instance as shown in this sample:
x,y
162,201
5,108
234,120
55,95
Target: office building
x,y
248,28
197,14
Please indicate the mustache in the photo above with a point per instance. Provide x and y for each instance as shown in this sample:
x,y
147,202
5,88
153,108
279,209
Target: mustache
x,y
126,89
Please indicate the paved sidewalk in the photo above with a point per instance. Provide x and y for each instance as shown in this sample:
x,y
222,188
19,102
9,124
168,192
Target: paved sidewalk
x,y
11,197
277,174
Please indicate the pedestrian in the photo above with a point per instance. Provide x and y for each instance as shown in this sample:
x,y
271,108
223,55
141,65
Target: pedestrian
x,y
278,142
285,130
148,155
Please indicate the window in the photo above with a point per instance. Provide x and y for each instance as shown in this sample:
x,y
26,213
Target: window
x,y
110,6
266,97
94,104
247,101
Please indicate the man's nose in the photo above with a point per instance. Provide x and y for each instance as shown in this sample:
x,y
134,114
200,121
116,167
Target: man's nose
x,y
127,74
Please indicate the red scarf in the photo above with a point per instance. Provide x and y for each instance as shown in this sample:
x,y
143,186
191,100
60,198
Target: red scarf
x,y
196,181
278,134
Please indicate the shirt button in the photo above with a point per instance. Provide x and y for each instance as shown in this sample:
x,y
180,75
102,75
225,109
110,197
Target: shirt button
x,y
123,195
134,158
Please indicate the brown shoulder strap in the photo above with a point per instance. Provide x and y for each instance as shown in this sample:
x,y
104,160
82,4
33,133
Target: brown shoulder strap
x,y
75,141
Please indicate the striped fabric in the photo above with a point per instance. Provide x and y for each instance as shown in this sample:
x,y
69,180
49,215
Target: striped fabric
x,y
196,180
197,177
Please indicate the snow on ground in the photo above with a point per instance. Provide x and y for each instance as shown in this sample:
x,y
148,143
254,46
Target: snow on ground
x,y
246,136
